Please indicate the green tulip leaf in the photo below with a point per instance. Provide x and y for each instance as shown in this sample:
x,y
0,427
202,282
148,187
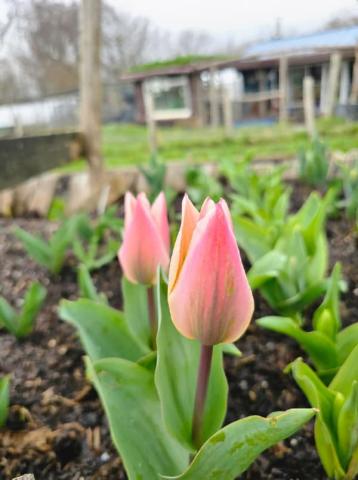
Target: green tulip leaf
x,y
86,286
251,238
327,314
347,339
4,398
33,301
37,248
323,398
230,451
319,347
303,298
21,324
135,308
132,406
347,425
102,329
326,448
318,395
176,378
267,267
231,349
346,375
7,314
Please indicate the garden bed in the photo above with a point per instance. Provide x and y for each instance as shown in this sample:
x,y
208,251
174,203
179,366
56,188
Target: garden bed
x,y
57,428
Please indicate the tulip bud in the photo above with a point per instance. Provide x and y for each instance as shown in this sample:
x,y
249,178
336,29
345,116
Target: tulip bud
x,y
146,238
209,295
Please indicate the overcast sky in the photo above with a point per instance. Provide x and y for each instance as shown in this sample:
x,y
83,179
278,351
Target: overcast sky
x,y
239,20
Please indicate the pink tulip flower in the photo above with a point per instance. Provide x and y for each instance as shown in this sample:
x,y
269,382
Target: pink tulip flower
x,y
146,238
209,295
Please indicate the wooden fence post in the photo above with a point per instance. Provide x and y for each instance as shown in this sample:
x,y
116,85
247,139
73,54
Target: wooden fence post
x,y
214,100
283,87
333,83
309,105
150,120
228,113
90,83
262,88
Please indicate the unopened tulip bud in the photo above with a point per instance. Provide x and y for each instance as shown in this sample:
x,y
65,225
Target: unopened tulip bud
x,y
209,295
146,238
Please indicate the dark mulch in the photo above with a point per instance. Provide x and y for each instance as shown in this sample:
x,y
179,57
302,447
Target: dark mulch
x,y
57,428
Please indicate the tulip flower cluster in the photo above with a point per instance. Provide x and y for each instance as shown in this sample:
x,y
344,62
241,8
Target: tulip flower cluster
x,y
158,365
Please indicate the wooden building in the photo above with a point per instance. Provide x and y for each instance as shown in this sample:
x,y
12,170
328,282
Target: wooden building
x,y
265,83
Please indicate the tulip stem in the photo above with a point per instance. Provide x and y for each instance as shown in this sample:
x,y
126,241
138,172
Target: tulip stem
x,y
153,324
206,354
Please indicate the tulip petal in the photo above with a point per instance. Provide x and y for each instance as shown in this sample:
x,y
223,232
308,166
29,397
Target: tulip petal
x,y
142,249
160,215
142,197
206,207
211,300
190,217
129,205
226,211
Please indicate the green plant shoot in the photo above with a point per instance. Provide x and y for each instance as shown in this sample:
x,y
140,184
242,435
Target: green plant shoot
x,y
86,286
21,323
314,163
327,344
291,275
336,427
4,398
51,254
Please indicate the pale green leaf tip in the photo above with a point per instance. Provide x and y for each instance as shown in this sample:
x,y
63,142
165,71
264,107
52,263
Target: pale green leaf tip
x,y
291,366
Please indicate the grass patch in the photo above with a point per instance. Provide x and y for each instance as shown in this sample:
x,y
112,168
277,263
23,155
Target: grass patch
x,y
127,144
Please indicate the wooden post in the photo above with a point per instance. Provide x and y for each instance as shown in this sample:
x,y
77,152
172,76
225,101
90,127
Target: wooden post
x,y
241,91
214,100
90,83
151,123
353,99
333,83
323,92
309,105
343,97
227,111
283,87
262,88
197,100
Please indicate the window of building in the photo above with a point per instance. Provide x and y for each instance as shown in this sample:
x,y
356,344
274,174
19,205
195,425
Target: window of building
x,y
171,97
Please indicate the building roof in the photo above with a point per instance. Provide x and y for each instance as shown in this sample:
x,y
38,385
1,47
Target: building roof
x,y
312,48
177,66
305,44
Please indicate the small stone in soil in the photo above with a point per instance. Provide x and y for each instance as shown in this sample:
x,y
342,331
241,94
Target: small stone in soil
x,y
105,457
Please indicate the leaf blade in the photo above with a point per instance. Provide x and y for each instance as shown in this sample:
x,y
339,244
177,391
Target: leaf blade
x,y
102,329
232,450
132,406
